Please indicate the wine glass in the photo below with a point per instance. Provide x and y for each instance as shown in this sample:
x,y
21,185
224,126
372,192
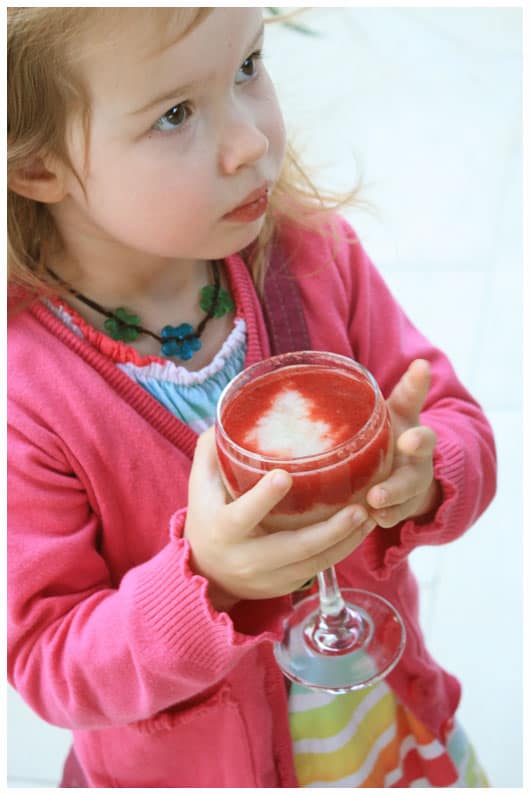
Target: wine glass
x,y
321,417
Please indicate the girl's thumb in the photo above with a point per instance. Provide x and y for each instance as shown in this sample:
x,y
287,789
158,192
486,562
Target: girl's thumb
x,y
205,478
409,394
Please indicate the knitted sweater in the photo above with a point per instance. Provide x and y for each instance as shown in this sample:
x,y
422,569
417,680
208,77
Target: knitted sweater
x,y
110,632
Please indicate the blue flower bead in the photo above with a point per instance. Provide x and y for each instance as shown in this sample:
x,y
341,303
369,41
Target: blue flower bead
x,y
176,344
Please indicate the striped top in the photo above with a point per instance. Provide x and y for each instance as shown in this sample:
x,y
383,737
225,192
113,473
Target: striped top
x,y
367,738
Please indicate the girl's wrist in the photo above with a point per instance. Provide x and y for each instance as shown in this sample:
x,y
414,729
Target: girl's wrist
x,y
433,500
220,600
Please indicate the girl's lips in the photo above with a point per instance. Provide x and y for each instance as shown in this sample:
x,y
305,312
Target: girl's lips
x,y
252,208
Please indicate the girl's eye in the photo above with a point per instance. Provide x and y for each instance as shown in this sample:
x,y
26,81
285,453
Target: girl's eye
x,y
249,68
173,118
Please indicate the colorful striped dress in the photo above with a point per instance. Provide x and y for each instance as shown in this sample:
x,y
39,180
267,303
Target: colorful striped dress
x,y
369,739
362,739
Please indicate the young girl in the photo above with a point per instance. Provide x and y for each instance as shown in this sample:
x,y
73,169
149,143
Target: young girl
x,y
161,238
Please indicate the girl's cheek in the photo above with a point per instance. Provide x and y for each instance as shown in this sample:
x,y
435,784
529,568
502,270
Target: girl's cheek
x,y
273,127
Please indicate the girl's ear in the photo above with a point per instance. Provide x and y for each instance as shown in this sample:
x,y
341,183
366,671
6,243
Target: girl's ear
x,y
40,179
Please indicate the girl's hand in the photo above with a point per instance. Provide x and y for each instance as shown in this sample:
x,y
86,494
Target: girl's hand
x,y
410,491
240,559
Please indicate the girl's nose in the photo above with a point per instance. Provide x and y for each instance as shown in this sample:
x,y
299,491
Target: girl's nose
x,y
243,144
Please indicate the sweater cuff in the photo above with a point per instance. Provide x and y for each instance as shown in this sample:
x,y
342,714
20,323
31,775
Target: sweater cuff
x,y
249,617
175,620
385,548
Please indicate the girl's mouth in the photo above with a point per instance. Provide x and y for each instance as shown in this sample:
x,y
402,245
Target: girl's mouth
x,y
252,207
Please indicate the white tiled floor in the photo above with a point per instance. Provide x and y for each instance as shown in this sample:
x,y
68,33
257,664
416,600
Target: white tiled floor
x,y
425,102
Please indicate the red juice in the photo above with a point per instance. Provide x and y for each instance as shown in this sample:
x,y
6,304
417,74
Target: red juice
x,y
326,424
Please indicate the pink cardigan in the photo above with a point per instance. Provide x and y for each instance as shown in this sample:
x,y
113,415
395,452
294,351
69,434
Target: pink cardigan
x,y
110,633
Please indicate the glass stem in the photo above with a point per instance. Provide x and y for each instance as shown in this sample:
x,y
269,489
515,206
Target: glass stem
x,y
331,601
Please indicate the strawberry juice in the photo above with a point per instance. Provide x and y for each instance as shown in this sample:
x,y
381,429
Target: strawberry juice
x,y
319,416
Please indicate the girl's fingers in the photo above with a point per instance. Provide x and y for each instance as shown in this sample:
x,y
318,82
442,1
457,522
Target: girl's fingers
x,y
206,489
417,442
408,396
286,547
303,570
413,471
205,482
389,517
247,511
404,484
260,577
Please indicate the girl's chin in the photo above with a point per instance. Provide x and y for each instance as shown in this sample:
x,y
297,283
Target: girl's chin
x,y
236,239
248,232
232,239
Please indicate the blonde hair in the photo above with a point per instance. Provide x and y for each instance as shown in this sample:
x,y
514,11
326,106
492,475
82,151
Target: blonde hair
x,y
46,89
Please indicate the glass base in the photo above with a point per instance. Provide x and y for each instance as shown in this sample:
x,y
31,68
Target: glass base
x,y
323,653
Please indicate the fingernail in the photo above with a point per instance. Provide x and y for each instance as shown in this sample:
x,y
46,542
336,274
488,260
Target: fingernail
x,y
381,497
357,516
280,480
415,443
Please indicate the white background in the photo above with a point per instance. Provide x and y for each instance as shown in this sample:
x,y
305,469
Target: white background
x,y
425,104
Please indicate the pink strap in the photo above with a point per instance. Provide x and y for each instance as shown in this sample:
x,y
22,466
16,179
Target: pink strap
x,y
282,308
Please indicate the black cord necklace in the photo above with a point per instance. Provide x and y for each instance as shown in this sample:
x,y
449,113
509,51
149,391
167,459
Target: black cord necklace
x,y
181,341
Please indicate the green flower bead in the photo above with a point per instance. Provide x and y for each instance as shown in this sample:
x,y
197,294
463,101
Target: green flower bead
x,y
122,325
224,301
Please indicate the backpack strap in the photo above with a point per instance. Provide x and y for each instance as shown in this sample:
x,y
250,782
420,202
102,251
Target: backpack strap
x,y
283,307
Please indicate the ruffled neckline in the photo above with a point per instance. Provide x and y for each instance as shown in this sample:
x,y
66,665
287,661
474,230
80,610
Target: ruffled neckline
x,y
169,372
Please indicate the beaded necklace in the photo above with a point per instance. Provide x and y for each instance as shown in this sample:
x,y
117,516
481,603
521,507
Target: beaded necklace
x,y
181,341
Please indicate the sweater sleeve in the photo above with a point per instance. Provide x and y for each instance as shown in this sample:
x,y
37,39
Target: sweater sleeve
x,y
385,341
86,652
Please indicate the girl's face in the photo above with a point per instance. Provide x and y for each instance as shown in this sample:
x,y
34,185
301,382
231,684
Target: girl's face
x,y
180,136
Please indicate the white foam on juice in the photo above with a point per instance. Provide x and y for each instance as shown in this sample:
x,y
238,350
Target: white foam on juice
x,y
286,430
